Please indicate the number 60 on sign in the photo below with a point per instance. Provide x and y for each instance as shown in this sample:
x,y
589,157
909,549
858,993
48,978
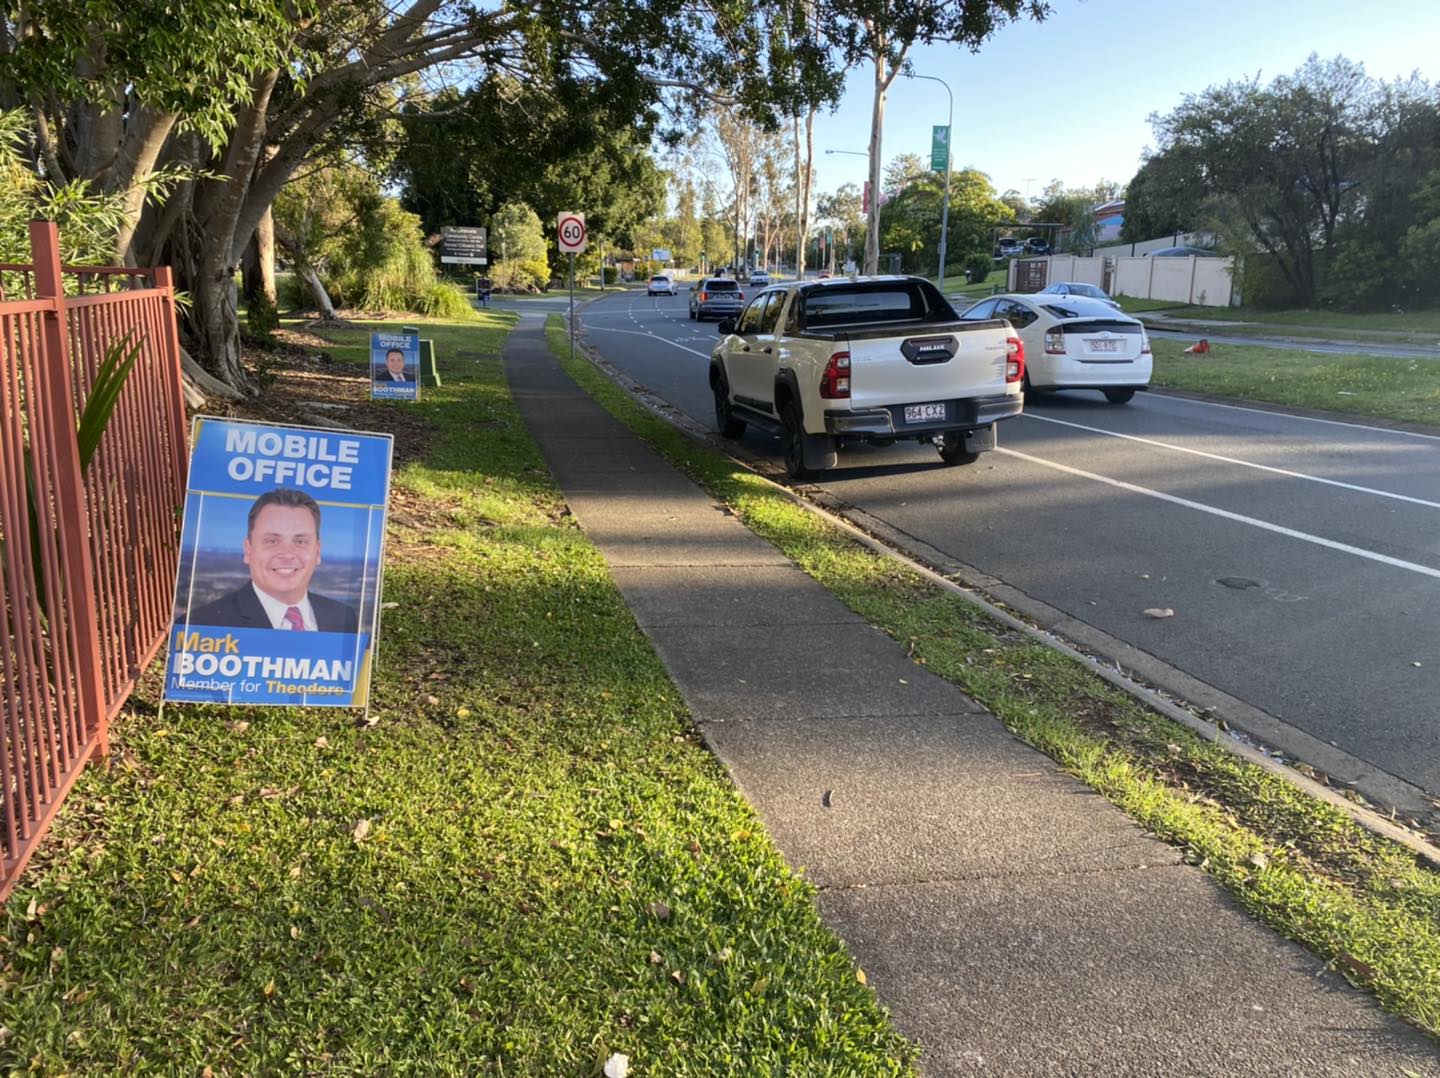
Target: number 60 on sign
x,y
572,233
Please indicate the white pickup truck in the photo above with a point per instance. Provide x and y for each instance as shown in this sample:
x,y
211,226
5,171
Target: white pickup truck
x,y
873,359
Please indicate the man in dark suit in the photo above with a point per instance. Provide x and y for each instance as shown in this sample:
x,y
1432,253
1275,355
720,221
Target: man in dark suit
x,y
394,369
282,549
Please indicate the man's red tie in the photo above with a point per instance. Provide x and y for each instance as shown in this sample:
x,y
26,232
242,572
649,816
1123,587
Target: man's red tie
x,y
293,618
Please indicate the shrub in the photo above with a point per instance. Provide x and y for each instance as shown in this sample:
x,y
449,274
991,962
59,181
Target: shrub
x,y
262,319
978,266
611,274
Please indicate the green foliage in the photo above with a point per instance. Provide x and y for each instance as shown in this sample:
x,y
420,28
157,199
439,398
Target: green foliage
x,y
910,220
1319,165
1165,197
262,318
1264,284
517,236
611,274
978,266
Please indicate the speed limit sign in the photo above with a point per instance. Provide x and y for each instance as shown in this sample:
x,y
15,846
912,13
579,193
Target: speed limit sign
x,y
572,233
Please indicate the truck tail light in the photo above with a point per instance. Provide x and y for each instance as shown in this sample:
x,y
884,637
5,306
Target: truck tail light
x,y
835,382
1015,361
1054,342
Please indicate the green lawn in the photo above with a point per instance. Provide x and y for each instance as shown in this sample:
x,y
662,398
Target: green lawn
x,y
1405,389
1131,305
528,861
1299,322
957,286
1366,905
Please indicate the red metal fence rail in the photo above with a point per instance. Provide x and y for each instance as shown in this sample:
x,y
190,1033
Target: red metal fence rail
x,y
86,559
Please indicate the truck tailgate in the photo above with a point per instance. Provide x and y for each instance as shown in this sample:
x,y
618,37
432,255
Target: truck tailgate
x,y
965,359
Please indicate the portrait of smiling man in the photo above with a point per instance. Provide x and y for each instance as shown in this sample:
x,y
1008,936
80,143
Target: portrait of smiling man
x,y
394,369
282,551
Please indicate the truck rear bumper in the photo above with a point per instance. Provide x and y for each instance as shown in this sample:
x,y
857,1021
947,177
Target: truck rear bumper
x,y
889,422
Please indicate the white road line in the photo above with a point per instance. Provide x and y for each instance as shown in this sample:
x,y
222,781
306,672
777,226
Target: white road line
x,y
1264,525
1306,418
652,336
1233,460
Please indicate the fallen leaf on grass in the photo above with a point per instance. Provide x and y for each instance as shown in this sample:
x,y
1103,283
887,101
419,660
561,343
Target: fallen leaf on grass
x,y
433,701
322,742
1363,970
860,975
1259,860
655,958
659,910
361,831
617,1066
678,976
1159,612
462,712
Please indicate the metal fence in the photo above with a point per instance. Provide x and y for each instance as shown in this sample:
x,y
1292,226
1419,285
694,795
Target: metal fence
x,y
86,558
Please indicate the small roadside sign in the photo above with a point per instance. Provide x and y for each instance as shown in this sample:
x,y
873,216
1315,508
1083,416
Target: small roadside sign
x,y
660,254
572,233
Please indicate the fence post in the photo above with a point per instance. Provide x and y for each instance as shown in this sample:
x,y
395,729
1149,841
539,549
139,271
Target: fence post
x,y
76,568
165,279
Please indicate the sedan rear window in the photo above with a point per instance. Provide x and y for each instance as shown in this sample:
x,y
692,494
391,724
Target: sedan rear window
x,y
906,301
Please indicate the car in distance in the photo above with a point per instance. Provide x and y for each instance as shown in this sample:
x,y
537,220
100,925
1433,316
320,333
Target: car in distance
x,y
1183,252
715,297
1077,288
662,284
1010,246
759,279
1074,342
1037,245
870,360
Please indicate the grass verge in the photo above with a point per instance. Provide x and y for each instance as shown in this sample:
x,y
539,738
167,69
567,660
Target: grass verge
x,y
1403,389
1322,323
1362,902
526,863
1132,305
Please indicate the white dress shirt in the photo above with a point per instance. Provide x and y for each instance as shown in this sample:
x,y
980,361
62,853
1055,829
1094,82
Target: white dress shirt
x,y
275,610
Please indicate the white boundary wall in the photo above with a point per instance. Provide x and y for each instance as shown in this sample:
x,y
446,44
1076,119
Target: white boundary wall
x,y
1203,282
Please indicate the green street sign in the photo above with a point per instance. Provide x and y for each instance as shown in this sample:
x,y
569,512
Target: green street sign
x,y
939,148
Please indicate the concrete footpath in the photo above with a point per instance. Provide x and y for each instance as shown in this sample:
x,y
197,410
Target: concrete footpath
x,y
1013,921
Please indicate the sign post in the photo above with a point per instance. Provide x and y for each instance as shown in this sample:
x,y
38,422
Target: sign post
x,y
572,234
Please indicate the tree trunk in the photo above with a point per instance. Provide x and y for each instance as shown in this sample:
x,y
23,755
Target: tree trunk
x,y
877,122
323,305
258,265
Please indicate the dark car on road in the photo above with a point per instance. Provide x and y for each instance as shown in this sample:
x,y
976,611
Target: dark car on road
x,y
715,297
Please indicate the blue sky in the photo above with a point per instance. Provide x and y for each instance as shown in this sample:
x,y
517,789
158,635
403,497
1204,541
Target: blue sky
x,y
1068,98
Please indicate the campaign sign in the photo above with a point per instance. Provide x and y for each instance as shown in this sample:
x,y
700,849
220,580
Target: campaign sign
x,y
277,595
395,366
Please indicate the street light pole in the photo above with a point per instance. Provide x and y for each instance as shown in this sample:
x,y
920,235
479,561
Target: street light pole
x,y
949,139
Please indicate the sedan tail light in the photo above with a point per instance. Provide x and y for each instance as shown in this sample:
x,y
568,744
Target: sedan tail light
x,y
1014,362
742,297
835,382
704,296
1144,344
1054,342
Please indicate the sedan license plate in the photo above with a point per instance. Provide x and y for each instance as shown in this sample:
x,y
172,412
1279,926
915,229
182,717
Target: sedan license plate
x,y
1104,346
924,413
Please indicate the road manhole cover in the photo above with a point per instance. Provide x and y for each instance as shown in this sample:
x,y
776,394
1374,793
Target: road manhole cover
x,y
1239,583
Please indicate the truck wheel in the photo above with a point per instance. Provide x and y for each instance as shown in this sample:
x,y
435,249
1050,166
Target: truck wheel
x,y
1119,396
805,454
952,448
725,420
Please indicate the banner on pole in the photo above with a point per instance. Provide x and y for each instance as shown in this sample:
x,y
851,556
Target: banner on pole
x,y
939,148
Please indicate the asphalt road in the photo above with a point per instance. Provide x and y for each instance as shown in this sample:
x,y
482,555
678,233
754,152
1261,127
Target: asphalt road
x,y
1301,556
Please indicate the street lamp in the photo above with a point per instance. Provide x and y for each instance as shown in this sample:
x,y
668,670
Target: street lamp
x,y
949,135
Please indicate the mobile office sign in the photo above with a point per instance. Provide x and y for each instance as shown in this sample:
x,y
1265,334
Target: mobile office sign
x,y
277,594
395,366
463,246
